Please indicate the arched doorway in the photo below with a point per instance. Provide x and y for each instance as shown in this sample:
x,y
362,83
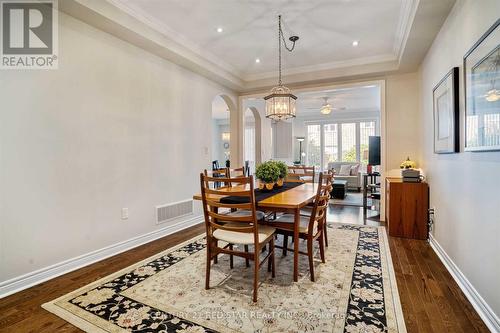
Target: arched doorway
x,y
251,138
221,132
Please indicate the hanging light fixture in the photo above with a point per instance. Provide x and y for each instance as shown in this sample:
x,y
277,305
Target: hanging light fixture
x,y
280,103
326,108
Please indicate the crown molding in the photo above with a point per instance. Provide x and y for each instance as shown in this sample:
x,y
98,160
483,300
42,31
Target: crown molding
x,y
406,18
323,67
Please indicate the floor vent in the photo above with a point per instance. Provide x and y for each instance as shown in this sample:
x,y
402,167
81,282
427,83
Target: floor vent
x,y
171,211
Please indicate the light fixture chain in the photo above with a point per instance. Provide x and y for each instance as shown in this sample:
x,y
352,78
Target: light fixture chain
x,y
279,50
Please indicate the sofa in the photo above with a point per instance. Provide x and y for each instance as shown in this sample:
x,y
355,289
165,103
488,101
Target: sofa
x,y
353,181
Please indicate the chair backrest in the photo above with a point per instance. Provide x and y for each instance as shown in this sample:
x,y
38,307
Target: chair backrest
x,y
238,172
218,173
303,171
241,187
320,203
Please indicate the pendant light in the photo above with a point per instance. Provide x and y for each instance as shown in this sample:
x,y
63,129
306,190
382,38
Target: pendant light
x,y
280,103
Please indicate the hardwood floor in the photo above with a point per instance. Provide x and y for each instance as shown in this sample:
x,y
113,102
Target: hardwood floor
x,y
430,298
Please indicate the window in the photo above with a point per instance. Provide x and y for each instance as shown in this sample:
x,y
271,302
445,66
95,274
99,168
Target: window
x,y
249,150
338,142
314,145
349,142
331,146
366,129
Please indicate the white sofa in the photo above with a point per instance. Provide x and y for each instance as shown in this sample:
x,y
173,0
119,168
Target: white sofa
x,y
353,181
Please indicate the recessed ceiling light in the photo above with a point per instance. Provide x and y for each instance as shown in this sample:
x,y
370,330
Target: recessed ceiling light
x,y
355,43
257,60
219,29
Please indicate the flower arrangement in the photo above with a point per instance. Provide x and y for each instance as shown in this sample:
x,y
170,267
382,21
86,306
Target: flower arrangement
x,y
268,173
408,164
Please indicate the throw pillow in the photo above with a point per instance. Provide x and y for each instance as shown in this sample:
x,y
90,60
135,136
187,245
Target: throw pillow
x,y
355,170
345,170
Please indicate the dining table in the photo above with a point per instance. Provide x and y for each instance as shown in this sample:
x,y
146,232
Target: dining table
x,y
290,201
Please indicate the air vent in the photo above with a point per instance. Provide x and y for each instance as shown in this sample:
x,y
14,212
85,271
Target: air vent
x,y
171,211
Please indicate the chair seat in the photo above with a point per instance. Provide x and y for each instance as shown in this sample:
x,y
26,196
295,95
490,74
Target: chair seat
x,y
245,238
304,221
242,212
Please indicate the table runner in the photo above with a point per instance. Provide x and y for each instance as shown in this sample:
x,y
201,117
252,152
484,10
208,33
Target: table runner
x,y
260,194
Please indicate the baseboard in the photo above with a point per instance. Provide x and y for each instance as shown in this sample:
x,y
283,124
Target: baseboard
x,y
483,309
33,278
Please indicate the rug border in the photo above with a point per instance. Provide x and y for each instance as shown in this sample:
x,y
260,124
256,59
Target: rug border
x,y
400,320
52,307
72,319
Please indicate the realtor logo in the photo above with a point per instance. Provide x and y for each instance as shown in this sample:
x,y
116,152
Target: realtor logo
x,y
29,34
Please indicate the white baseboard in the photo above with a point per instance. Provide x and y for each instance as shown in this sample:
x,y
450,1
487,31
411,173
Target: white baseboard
x,y
483,309
33,278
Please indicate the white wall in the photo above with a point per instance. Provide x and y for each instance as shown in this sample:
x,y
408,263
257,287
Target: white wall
x,y
465,186
113,127
402,119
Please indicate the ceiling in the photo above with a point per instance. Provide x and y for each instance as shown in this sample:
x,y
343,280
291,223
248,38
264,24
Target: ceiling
x,y
343,100
326,29
349,101
393,35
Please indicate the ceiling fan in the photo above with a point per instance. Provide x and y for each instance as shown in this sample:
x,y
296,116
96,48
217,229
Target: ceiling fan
x,y
327,108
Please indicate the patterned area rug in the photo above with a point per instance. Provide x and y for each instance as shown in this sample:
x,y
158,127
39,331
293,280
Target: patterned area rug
x,y
355,291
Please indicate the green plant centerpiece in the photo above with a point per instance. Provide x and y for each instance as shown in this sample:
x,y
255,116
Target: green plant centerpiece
x,y
283,172
267,173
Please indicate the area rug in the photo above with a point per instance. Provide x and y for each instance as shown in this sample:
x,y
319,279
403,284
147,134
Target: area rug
x,y
355,291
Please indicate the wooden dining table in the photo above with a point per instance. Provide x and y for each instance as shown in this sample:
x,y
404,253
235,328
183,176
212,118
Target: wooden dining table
x,y
290,201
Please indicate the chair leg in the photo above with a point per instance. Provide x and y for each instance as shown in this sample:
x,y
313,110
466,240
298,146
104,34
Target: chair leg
x,y
256,272
325,233
310,255
322,247
285,244
273,265
207,273
215,257
247,261
231,263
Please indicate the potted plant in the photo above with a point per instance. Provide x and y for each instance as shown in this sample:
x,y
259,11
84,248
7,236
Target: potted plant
x,y
267,173
283,168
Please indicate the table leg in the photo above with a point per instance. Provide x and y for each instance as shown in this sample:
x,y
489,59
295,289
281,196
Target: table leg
x,y
296,245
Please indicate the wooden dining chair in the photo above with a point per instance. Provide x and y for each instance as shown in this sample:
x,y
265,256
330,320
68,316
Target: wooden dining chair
x,y
238,172
311,227
218,173
235,227
305,174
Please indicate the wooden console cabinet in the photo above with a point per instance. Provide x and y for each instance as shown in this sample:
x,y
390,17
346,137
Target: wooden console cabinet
x,y
407,206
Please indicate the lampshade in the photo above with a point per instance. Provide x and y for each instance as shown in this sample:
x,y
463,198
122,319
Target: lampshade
x,y
280,103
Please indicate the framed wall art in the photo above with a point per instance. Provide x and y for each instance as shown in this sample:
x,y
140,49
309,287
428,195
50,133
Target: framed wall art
x,y
482,92
446,114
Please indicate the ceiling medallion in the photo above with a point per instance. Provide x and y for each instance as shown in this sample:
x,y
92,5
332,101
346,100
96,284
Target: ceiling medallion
x,y
280,103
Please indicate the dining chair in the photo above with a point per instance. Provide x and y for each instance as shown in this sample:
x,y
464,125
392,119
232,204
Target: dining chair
x,y
218,173
305,174
238,172
311,227
327,184
237,226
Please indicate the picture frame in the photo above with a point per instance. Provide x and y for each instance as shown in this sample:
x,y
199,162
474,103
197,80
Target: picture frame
x,y
446,114
482,92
